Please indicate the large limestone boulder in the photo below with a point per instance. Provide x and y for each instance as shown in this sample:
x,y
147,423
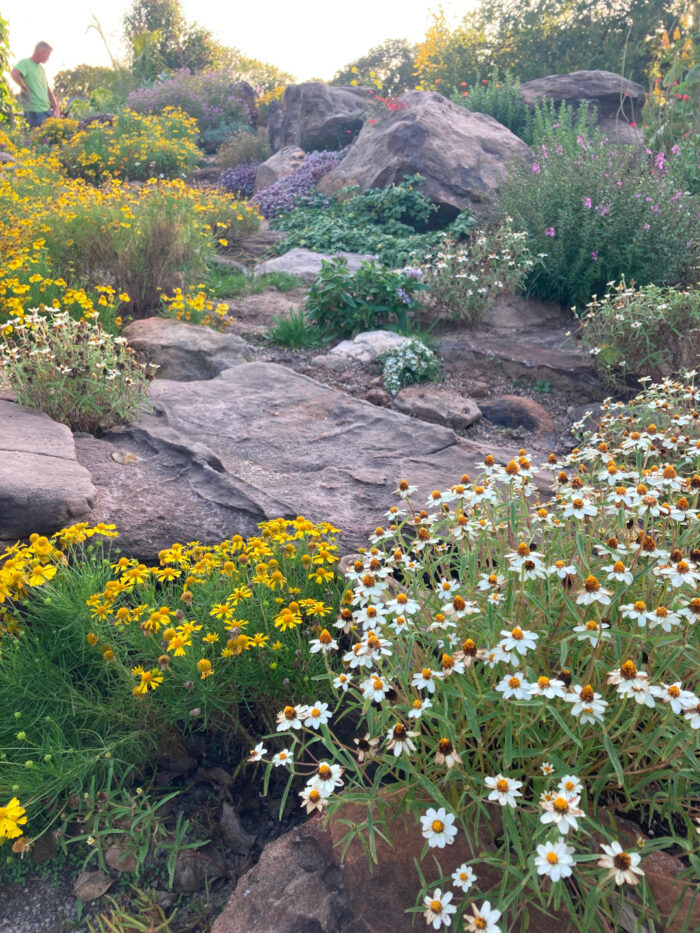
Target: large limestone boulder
x,y
317,116
617,100
462,156
42,486
185,352
259,441
282,163
305,264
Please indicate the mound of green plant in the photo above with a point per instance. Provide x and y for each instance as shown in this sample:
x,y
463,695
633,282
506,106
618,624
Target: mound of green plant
x,y
391,223
648,331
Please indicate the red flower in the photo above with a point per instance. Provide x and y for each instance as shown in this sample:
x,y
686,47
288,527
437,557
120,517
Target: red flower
x,y
484,81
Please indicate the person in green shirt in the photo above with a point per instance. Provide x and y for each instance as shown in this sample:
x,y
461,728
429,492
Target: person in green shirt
x,y
37,98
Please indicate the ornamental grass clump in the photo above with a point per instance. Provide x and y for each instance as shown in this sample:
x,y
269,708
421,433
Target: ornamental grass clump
x,y
465,277
648,330
73,370
521,675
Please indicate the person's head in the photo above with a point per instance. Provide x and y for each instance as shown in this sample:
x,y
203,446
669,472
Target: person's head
x,y
42,51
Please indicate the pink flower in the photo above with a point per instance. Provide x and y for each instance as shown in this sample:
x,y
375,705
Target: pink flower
x,y
587,202
536,168
549,231
594,254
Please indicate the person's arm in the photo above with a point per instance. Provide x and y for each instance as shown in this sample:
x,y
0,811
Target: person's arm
x,y
17,77
55,106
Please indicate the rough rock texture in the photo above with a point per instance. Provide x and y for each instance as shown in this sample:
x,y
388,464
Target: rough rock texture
x,y
364,348
42,486
282,163
529,339
260,441
186,352
462,156
438,405
305,264
318,116
512,411
618,100
300,886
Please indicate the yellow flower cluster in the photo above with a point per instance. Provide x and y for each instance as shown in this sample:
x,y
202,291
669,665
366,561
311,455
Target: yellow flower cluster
x,y
23,567
197,308
214,587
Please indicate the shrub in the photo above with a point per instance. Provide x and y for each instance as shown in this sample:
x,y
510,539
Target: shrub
x,y
499,98
240,179
597,213
646,331
210,98
210,140
140,241
342,302
408,363
210,638
134,147
73,370
298,187
383,221
464,278
527,675
243,148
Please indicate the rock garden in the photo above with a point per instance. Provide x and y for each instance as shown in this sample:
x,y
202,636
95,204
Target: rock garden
x,y
349,496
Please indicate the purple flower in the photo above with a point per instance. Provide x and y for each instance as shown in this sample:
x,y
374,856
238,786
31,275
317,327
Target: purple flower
x,y
403,296
536,168
549,231
675,150
594,254
587,202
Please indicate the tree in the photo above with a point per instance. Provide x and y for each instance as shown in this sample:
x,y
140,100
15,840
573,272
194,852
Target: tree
x,y
391,63
160,39
262,76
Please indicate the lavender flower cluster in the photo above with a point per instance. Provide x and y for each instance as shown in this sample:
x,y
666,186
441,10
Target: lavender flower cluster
x,y
240,179
298,187
210,98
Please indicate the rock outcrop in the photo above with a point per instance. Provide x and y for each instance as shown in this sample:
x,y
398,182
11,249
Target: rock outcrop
x,y
42,485
305,264
314,115
461,156
282,163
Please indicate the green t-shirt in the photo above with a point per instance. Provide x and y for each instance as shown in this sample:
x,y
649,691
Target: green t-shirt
x,y
35,79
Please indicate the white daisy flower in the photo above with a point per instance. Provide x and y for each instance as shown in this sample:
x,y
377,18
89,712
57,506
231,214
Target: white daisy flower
x,y
592,631
562,811
519,640
587,706
257,753
425,679
544,687
463,877
503,790
570,785
438,827
327,778
622,866
514,686
438,909
317,715
484,919
283,759
554,860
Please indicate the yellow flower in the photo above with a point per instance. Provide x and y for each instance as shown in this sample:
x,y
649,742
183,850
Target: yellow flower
x,y
11,818
149,680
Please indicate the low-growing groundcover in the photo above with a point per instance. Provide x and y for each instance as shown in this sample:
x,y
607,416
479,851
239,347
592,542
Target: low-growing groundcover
x,y
522,673
133,659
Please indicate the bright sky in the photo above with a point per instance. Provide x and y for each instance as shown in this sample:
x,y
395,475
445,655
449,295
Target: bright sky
x,y
303,37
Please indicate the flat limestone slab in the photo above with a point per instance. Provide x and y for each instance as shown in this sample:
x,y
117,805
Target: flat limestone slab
x,y
42,485
261,441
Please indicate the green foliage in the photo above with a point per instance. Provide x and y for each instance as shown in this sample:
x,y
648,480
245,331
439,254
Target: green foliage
x,y
388,222
295,331
96,88
161,40
409,363
6,99
139,245
596,213
227,284
73,370
498,97
388,66
534,38
464,278
262,76
345,303
242,148
647,331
